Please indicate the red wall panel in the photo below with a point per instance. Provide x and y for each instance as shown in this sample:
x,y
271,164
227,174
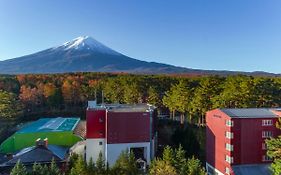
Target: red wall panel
x,y
216,140
251,139
247,140
127,127
95,123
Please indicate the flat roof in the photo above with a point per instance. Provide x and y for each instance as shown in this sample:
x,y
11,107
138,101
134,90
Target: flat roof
x,y
125,107
255,169
249,112
51,125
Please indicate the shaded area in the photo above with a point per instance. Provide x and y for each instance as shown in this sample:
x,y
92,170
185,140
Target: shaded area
x,y
261,169
191,137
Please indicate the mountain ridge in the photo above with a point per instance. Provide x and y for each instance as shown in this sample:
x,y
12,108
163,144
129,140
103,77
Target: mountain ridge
x,y
85,54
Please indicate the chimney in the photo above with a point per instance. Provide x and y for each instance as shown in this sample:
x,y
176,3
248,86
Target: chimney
x,y
46,142
9,156
42,143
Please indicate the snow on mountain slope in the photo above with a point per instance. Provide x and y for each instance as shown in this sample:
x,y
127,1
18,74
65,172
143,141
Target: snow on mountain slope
x,y
87,43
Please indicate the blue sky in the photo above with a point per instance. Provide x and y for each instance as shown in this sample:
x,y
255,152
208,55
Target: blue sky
x,y
207,34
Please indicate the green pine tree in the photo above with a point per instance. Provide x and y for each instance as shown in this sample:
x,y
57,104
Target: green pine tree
x,y
194,167
125,164
161,167
37,169
54,168
168,155
91,167
79,167
180,161
19,169
100,165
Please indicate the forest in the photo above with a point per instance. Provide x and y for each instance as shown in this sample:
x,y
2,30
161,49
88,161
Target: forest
x,y
26,96
184,98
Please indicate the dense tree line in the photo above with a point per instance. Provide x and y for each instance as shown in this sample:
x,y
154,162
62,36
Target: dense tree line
x,y
172,162
37,169
274,151
187,97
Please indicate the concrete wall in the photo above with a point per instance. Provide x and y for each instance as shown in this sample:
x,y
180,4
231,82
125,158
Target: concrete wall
x,y
93,148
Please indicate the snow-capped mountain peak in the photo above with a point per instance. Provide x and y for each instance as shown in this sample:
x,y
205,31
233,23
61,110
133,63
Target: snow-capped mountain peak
x,y
88,43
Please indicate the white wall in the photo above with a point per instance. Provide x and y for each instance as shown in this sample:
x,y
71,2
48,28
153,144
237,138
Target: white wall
x,y
93,148
113,150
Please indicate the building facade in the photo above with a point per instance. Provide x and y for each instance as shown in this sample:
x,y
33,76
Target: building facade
x,y
114,128
236,140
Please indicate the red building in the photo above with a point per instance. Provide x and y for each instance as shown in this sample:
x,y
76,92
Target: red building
x,y
236,140
114,128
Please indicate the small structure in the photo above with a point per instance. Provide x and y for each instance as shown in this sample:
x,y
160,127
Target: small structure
x,y
59,131
42,153
113,128
236,140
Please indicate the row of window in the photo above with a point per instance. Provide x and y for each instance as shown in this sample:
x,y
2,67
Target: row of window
x,y
266,158
230,123
267,134
267,123
229,159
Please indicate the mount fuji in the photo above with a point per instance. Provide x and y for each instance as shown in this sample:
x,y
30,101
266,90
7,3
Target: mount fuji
x,y
85,54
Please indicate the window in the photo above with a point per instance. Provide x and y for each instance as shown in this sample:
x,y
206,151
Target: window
x,y
266,134
229,135
100,143
227,170
266,158
229,123
228,159
228,147
267,123
100,120
264,147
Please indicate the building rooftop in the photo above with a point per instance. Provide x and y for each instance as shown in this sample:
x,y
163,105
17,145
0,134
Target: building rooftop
x,y
39,154
257,169
51,125
124,107
249,112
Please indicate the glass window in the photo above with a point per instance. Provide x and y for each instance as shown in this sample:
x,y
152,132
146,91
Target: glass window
x,y
267,123
228,147
229,123
229,135
228,159
266,134
227,170
266,158
264,146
